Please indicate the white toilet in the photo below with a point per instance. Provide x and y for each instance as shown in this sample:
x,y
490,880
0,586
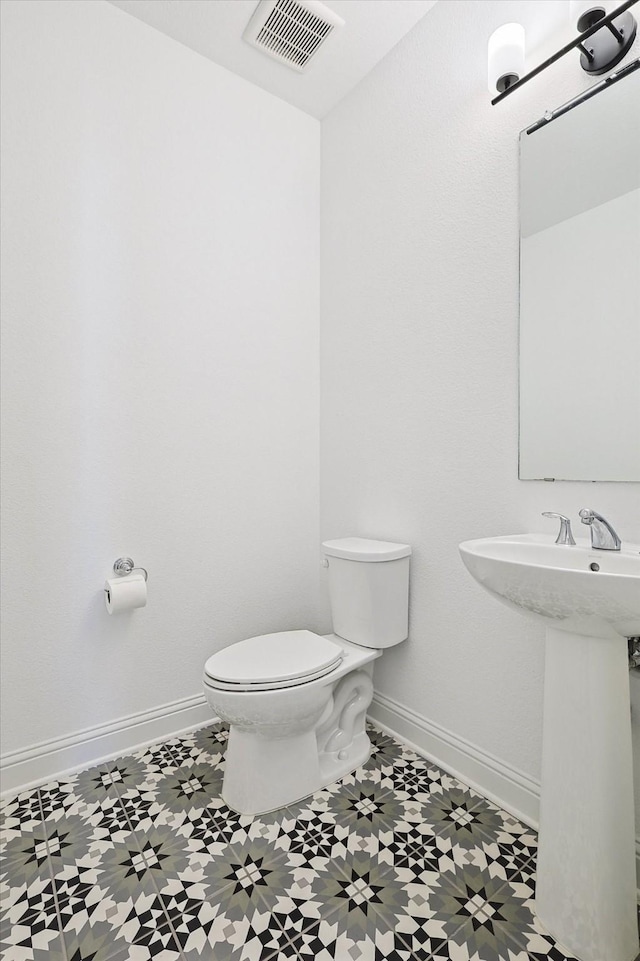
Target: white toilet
x,y
296,702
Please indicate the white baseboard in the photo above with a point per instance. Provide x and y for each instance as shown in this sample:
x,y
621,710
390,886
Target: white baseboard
x,y
511,789
33,766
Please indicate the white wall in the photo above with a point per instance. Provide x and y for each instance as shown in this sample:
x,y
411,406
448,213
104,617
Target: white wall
x,y
160,364
419,360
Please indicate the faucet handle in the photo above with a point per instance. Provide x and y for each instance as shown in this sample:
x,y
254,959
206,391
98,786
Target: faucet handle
x,y
564,534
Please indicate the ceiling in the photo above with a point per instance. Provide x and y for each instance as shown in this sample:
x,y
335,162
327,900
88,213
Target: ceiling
x,y
214,29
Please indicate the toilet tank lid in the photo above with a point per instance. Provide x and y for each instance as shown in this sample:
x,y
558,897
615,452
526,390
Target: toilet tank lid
x,y
363,549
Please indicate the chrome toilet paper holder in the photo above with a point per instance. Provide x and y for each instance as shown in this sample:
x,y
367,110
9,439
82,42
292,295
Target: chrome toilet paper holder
x,y
125,565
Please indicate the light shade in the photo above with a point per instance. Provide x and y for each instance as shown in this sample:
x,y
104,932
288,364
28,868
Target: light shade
x,y
505,57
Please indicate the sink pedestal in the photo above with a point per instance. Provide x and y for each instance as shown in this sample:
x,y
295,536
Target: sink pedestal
x,y
589,602
586,880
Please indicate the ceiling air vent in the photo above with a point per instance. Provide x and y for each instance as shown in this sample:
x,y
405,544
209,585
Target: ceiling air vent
x,y
291,31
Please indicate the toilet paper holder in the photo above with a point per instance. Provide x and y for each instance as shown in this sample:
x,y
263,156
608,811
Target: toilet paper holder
x,y
125,565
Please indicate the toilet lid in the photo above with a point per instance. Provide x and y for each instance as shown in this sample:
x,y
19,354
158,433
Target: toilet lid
x,y
274,660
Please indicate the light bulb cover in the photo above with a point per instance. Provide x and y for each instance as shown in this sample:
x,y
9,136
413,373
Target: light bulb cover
x,y
505,57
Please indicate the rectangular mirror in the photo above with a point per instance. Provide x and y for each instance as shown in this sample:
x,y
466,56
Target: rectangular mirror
x,y
580,291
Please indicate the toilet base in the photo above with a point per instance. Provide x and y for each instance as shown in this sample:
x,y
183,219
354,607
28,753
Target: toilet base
x,y
264,772
269,775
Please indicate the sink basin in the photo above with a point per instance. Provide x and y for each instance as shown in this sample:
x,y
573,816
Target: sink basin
x,y
577,588
589,603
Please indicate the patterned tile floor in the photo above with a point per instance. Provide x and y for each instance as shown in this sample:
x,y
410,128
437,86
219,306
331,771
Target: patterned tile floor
x,y
139,858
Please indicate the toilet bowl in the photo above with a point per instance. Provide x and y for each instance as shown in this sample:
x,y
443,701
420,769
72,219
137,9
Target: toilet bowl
x,y
296,701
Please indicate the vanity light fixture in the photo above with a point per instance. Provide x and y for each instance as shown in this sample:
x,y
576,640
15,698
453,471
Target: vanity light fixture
x,y
603,41
608,45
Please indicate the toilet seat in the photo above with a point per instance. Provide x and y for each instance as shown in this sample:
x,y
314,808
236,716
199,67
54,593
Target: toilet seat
x,y
272,661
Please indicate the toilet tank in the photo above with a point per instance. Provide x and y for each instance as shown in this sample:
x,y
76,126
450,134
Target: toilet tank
x,y
369,590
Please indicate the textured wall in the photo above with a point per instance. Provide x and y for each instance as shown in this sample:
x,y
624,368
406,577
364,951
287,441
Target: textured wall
x,y
160,364
419,359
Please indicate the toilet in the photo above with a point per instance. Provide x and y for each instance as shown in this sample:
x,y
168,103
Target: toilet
x,y
295,701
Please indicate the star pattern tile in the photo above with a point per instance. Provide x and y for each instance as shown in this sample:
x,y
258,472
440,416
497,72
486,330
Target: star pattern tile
x,y
139,859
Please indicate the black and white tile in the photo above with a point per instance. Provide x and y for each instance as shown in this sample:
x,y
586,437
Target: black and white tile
x,y
139,859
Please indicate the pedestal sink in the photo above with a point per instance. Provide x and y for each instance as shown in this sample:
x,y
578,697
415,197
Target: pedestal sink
x,y
589,602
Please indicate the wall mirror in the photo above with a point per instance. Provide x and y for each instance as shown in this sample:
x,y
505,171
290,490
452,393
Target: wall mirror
x,y
580,291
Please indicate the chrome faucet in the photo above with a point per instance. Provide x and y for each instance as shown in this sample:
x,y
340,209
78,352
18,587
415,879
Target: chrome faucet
x,y
564,535
603,536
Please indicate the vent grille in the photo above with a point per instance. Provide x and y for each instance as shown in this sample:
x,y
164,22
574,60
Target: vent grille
x,y
291,31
